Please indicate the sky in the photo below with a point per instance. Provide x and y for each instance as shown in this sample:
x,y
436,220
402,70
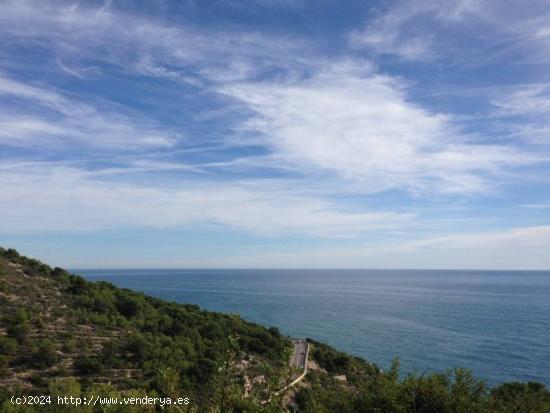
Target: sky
x,y
276,133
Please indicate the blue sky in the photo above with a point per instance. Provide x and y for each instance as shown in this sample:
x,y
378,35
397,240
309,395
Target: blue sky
x,y
381,134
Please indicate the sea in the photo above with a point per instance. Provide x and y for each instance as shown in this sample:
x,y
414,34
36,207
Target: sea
x,y
497,323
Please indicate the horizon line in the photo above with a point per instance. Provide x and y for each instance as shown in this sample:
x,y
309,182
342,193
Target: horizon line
x,y
296,269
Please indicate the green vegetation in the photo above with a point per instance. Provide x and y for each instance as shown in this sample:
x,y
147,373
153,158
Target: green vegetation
x,y
343,383
64,336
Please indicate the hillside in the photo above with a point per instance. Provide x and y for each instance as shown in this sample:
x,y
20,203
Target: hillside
x,y
58,330
62,335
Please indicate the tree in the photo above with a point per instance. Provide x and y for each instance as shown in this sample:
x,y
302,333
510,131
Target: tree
x,y
517,397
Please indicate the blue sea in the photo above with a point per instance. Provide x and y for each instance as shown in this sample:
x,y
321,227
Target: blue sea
x,y
495,322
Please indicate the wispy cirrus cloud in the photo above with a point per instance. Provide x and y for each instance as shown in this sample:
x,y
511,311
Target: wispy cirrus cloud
x,y
355,122
435,30
41,96
72,199
147,45
522,112
406,28
79,73
524,100
38,116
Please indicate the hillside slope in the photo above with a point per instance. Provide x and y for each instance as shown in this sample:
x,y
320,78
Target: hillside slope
x,y
57,329
61,335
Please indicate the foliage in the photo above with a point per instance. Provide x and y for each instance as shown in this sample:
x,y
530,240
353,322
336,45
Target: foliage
x,y
519,397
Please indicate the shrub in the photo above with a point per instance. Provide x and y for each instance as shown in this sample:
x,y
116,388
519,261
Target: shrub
x,y
8,345
88,365
45,355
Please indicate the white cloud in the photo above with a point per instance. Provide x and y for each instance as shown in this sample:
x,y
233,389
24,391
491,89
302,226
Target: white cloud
x,y
67,121
472,32
524,111
388,40
40,198
144,45
69,70
360,125
41,96
18,131
524,100
406,28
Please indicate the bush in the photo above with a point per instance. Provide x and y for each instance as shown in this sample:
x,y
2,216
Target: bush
x,y
88,365
8,345
127,305
45,355
18,325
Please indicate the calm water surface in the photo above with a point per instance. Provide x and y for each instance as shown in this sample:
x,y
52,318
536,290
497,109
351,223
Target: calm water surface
x,y
496,323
